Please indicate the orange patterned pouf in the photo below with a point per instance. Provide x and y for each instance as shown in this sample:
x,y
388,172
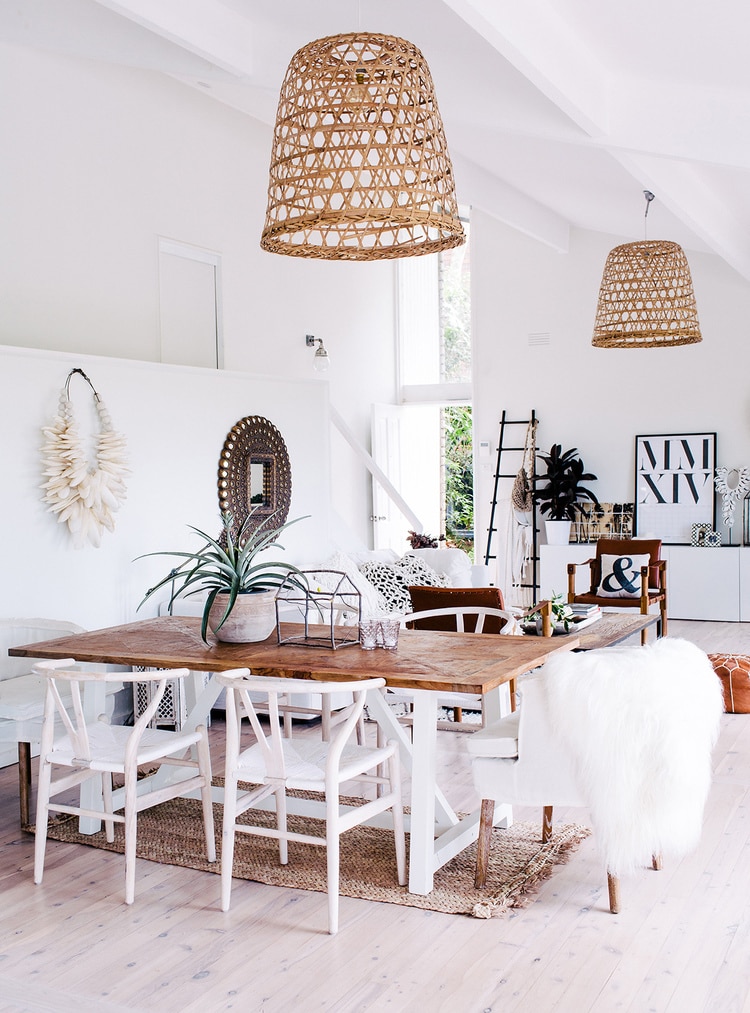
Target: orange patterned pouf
x,y
734,672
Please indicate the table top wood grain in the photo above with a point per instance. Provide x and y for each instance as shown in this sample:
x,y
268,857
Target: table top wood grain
x,y
445,662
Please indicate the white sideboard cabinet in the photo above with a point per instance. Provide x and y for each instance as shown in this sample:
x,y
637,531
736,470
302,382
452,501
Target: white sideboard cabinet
x,y
712,584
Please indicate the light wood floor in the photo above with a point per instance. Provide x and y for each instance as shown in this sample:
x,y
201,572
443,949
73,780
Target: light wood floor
x,y
680,945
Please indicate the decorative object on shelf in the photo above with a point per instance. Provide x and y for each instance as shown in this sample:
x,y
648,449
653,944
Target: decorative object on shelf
x,y
712,540
646,298
674,486
699,533
746,520
324,599
241,588
255,477
522,495
563,493
360,168
602,520
85,494
731,484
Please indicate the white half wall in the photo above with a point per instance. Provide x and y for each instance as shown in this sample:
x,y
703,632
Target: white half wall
x,y
175,419
100,162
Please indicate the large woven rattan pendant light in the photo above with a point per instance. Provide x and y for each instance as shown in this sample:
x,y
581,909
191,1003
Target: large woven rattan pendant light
x,y
359,166
646,299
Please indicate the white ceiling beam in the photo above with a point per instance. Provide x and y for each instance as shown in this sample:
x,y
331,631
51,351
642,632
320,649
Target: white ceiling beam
x,y
537,41
686,194
532,36
203,27
478,188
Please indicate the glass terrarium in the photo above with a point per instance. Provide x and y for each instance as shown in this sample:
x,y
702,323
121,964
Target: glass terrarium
x,y
318,608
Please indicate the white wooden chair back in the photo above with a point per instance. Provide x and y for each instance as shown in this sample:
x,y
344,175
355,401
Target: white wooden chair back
x,y
478,612
249,696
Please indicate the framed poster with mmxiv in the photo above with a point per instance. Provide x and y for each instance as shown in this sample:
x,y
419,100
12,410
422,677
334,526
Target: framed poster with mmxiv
x,y
674,485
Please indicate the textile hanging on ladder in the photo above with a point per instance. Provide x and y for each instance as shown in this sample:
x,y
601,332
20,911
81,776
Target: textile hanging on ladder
x,y
522,495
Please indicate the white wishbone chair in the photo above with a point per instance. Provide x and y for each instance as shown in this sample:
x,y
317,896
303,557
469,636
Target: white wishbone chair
x,y
275,765
96,749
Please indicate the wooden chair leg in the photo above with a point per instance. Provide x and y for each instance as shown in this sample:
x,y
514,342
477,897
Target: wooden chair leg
x,y
24,783
458,715
486,816
613,885
656,862
546,824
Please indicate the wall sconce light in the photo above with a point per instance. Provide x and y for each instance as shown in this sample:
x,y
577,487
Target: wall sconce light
x,y
320,359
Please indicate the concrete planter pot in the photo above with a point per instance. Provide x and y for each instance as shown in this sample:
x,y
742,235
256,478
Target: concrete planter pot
x,y
252,619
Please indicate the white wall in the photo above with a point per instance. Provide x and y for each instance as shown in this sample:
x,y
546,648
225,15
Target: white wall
x,y
175,419
98,162
596,399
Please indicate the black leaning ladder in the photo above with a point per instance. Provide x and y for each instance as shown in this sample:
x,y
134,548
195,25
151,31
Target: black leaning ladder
x,y
505,446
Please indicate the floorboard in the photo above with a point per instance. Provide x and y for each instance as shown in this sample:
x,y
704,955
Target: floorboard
x,y
681,943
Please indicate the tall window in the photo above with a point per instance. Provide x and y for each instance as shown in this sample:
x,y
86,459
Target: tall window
x,y
435,384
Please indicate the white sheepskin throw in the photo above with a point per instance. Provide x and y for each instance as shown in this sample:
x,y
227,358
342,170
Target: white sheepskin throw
x,y
640,723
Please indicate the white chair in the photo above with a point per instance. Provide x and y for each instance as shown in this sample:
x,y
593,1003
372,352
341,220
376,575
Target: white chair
x,y
626,732
96,749
277,764
459,617
22,698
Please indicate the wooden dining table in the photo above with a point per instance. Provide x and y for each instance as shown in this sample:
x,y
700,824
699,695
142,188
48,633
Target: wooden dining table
x,y
427,663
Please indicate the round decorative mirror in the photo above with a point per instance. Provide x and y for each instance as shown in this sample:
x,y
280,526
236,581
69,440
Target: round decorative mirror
x,y
254,473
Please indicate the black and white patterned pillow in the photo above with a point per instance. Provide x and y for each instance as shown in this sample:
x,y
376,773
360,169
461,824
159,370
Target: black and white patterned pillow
x,y
394,579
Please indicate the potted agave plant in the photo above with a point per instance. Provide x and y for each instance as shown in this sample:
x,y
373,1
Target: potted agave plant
x,y
240,605
563,493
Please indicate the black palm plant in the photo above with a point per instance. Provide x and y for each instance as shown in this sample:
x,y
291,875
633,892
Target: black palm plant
x,y
561,497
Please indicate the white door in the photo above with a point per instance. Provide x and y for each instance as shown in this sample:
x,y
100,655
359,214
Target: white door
x,y
406,446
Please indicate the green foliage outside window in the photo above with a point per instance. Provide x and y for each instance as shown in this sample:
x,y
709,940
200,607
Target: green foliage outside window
x,y
459,477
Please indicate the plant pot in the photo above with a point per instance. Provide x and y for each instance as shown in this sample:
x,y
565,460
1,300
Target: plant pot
x,y
558,532
252,619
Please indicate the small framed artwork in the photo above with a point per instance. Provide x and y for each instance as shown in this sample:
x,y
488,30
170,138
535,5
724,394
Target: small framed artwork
x,y
674,485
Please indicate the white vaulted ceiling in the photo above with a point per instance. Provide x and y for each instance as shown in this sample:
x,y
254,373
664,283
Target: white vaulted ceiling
x,y
558,113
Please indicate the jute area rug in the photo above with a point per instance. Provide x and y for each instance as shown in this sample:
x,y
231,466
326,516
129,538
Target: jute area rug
x,y
172,834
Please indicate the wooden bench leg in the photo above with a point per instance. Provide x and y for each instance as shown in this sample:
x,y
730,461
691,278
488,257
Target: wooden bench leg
x,y
487,814
24,782
656,862
546,824
613,885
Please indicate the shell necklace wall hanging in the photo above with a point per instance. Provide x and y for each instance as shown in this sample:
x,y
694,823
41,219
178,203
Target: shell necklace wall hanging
x,y
84,494
731,484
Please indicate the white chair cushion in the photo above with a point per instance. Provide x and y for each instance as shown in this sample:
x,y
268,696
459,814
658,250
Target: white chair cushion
x,y
499,739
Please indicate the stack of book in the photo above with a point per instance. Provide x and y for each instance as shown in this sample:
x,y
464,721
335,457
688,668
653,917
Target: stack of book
x,y
584,614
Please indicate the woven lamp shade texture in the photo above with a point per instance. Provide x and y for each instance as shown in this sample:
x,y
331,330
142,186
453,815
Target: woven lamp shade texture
x,y
360,168
646,299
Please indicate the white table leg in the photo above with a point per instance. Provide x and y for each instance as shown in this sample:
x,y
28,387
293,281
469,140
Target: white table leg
x,y
423,788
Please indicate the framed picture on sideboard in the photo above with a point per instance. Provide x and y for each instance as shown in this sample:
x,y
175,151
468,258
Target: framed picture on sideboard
x,y
674,485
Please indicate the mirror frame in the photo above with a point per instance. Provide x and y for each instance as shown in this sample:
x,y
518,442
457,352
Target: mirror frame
x,y
254,440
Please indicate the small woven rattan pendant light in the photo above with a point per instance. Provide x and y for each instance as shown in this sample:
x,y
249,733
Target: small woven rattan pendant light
x,y
646,299
359,165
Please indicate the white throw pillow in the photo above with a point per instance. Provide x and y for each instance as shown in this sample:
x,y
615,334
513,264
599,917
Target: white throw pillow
x,y
393,580
454,563
621,576
372,600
